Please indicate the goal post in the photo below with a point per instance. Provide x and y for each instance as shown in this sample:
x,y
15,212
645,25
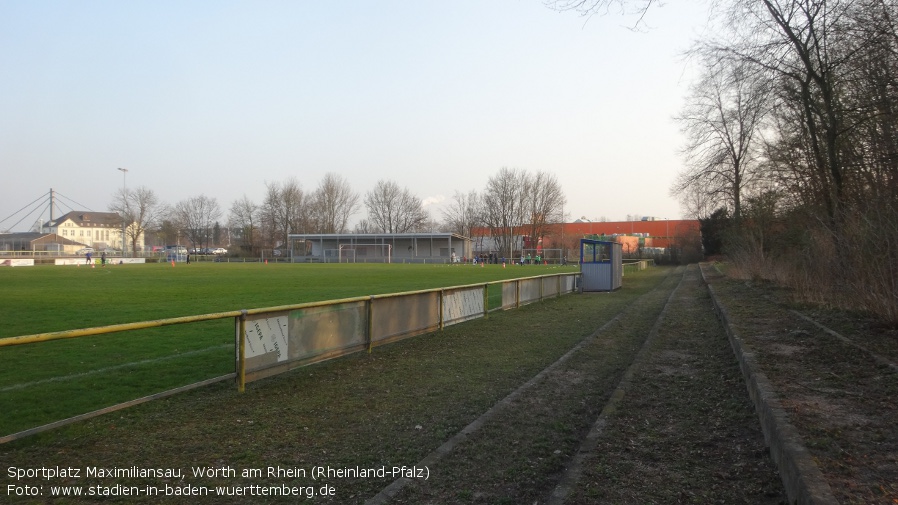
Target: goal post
x,y
344,255
365,253
551,256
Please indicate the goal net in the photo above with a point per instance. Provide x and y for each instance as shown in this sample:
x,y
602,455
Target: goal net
x,y
550,256
365,253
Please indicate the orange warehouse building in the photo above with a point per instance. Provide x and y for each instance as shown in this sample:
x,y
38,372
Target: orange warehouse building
x,y
631,234
661,232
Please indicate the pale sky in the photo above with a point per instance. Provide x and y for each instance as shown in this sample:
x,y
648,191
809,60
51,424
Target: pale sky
x,y
219,97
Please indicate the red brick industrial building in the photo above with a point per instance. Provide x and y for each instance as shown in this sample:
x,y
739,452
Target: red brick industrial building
x,y
633,235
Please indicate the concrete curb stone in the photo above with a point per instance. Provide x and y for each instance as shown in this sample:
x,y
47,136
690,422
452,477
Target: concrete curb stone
x,y
802,478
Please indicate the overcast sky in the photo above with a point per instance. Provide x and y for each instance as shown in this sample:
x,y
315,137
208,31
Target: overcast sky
x,y
219,97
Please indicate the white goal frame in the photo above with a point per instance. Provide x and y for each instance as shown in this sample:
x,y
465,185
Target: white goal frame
x,y
329,255
557,253
350,249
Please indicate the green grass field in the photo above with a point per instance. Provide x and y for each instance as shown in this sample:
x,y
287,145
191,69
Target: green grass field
x,y
45,382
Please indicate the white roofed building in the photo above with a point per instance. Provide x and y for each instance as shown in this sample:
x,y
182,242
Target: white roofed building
x,y
99,230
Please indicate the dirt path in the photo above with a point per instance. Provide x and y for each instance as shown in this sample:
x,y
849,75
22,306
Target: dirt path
x,y
836,391
653,409
685,430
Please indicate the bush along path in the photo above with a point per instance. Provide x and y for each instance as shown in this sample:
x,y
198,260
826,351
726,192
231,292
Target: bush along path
x,y
652,409
826,385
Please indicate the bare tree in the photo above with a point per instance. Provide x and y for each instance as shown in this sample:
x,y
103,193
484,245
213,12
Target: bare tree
x,y
465,213
363,226
872,106
333,203
721,120
244,217
695,203
807,45
140,209
591,8
545,204
283,212
504,203
196,217
392,209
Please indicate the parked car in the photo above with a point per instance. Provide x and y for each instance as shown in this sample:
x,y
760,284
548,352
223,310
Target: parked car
x,y
219,250
84,250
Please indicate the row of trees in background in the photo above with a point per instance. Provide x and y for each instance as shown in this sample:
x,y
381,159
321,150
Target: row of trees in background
x,y
792,146
512,199
192,221
288,209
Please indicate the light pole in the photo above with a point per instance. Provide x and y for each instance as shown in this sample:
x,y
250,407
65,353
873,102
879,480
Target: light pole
x,y
124,206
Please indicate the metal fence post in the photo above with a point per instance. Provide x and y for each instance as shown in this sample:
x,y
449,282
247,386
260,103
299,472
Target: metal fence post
x,y
442,322
370,335
241,358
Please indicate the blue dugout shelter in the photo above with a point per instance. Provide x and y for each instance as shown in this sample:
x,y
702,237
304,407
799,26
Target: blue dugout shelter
x,y
601,265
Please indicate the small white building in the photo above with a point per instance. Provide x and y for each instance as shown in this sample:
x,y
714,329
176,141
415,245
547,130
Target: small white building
x,y
99,230
379,247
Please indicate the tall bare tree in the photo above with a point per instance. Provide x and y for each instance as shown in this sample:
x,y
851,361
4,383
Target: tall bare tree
x,y
196,217
284,211
140,209
392,209
464,214
244,218
333,203
504,201
722,118
545,204
806,44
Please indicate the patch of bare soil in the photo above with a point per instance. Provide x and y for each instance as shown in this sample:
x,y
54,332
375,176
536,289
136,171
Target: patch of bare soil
x,y
838,390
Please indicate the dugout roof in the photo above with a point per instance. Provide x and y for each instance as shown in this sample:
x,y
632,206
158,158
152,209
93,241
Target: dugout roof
x,y
403,245
376,237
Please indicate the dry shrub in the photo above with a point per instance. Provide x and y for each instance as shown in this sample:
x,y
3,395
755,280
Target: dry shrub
x,y
851,265
869,241
746,249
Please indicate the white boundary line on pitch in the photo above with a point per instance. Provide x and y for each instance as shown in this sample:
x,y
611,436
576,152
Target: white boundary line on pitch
x,y
110,368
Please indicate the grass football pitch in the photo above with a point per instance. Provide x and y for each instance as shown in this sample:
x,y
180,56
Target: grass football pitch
x,y
49,381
